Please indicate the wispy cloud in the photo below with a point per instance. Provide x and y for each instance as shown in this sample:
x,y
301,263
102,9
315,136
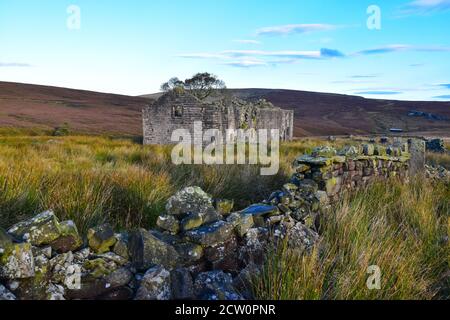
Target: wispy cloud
x,y
14,64
294,29
245,41
445,85
425,7
363,76
378,92
401,48
445,97
251,58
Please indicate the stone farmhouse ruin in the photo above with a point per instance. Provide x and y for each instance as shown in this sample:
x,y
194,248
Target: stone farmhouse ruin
x,y
180,110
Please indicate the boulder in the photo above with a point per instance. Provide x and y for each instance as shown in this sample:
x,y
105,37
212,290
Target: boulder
x,y
168,223
212,234
182,284
101,238
69,239
146,250
5,294
241,222
17,262
155,285
300,237
191,221
189,252
215,285
40,230
191,199
121,246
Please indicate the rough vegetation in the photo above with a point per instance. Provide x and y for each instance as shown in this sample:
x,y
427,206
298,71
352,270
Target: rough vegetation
x,y
311,239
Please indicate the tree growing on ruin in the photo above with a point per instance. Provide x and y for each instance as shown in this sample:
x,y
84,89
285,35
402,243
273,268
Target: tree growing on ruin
x,y
201,85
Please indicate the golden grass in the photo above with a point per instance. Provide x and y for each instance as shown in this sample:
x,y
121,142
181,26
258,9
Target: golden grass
x,y
401,228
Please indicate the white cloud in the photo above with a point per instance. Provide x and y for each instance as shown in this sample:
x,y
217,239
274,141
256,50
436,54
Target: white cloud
x,y
425,6
14,64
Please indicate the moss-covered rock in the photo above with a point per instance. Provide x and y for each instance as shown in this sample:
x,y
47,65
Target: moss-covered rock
x,y
69,240
17,262
224,206
39,230
211,234
101,238
191,199
168,223
192,221
146,250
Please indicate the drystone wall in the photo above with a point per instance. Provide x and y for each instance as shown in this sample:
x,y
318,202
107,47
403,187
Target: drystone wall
x,y
201,248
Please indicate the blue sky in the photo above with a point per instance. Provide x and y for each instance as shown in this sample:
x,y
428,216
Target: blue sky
x,y
132,46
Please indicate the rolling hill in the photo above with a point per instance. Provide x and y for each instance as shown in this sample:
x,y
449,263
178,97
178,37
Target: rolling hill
x,y
316,114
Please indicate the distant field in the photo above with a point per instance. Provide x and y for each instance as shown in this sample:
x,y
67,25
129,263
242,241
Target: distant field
x,y
41,109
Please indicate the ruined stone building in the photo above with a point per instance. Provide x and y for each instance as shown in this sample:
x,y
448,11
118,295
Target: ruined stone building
x,y
180,110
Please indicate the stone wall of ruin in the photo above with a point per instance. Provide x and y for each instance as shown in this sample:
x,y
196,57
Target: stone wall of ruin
x,y
180,111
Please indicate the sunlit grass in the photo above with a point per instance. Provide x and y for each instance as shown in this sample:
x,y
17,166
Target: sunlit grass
x,y
401,228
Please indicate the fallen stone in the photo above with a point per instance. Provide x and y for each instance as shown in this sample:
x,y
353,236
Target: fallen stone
x,y
17,262
189,252
69,239
191,199
215,285
192,221
146,250
168,223
155,285
302,238
39,230
5,294
121,246
211,234
101,238
241,222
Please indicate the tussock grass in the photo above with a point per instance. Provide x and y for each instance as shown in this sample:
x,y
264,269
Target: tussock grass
x,y
95,179
401,228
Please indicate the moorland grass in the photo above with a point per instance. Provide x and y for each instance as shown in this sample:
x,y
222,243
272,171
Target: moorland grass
x,y
401,228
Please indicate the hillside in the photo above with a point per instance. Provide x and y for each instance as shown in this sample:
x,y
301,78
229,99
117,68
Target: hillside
x,y
316,114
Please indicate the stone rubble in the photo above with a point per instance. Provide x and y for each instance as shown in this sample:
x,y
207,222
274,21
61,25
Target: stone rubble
x,y
200,249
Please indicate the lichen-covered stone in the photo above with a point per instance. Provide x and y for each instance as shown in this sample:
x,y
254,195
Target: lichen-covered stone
x,y
191,199
101,238
40,230
302,168
224,206
191,221
349,151
121,246
261,210
5,294
215,285
211,234
17,262
168,223
241,222
155,285
369,149
69,239
146,250
189,252
300,237
324,151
